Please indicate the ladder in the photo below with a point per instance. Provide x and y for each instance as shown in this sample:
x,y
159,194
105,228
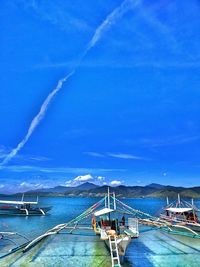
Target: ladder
x,y
114,251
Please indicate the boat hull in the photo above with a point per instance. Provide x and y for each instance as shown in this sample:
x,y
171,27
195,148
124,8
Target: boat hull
x,y
14,211
122,244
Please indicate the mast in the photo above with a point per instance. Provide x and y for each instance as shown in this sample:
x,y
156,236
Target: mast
x,y
114,203
108,197
179,200
167,201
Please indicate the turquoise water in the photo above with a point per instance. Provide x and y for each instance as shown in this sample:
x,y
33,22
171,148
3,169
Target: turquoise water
x,y
152,248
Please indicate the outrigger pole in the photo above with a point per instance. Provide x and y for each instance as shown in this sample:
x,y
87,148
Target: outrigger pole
x,y
60,227
5,236
84,215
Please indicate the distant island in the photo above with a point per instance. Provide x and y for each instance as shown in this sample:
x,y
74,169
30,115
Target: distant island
x,y
91,190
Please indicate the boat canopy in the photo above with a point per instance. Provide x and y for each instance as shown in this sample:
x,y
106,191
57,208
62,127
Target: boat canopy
x,y
179,210
103,211
18,202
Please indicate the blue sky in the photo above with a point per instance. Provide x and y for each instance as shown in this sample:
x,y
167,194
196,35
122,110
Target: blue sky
x,y
129,113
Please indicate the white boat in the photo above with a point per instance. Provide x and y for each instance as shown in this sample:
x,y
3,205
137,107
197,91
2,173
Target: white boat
x,y
113,226
181,215
22,208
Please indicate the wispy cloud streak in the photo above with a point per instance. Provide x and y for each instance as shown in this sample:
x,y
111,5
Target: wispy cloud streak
x,y
115,155
125,156
111,19
36,120
56,170
116,14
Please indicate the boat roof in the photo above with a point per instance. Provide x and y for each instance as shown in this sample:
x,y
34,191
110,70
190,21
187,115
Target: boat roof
x,y
179,210
18,202
103,211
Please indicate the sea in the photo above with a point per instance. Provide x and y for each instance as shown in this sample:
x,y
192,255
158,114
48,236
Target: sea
x,y
153,247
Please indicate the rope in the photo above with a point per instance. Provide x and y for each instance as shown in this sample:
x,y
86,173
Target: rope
x,y
136,211
60,227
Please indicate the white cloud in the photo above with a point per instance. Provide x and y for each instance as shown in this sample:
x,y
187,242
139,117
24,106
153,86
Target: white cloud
x,y
115,155
115,183
68,183
100,178
38,158
23,184
95,154
83,178
79,180
124,156
26,185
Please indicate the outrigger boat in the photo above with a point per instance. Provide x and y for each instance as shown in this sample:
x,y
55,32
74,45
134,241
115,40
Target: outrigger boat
x,y
113,221
106,218
22,208
113,226
181,215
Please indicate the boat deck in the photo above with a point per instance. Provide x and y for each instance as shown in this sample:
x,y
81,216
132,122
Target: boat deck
x,y
62,250
152,248
159,249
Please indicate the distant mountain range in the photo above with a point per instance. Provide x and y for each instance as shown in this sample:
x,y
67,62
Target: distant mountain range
x,y
91,190
64,189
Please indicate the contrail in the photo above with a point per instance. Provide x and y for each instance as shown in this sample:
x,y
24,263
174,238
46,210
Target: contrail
x,y
116,14
111,19
36,120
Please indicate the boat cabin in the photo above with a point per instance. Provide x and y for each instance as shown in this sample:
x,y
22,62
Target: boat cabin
x,y
187,214
180,211
114,221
